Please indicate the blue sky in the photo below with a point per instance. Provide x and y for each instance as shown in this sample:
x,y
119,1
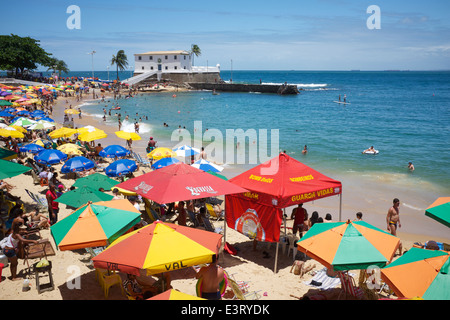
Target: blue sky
x,y
256,35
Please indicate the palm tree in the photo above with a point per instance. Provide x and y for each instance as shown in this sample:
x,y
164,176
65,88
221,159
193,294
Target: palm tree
x,y
121,61
196,51
58,65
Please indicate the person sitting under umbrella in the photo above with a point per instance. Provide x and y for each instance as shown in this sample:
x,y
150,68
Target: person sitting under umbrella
x,y
137,290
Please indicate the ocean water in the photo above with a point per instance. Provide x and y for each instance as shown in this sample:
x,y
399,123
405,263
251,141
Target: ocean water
x,y
404,115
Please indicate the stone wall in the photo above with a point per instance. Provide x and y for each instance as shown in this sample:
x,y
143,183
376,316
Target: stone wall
x,y
184,78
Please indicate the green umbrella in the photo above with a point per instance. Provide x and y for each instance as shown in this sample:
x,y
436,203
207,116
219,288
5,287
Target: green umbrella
x,y
5,103
217,175
7,154
95,224
96,181
420,273
440,211
80,196
10,169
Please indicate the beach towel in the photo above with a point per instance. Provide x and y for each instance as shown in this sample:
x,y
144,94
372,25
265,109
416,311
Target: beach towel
x,y
322,281
230,249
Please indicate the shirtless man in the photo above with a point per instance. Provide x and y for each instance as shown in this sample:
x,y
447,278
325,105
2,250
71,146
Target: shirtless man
x,y
212,277
371,149
393,219
203,154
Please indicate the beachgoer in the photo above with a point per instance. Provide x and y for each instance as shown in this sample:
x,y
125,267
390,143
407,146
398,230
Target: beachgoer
x,y
11,249
328,218
137,290
134,202
393,219
181,214
203,154
298,214
345,98
53,206
42,220
371,149
212,276
305,149
314,219
116,194
358,216
410,166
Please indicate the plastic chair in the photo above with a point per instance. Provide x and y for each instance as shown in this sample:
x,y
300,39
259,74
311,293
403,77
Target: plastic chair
x,y
349,286
292,241
110,280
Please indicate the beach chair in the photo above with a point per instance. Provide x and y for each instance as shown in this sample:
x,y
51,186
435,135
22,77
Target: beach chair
x,y
349,286
42,202
193,219
213,214
140,160
241,292
151,213
36,179
209,227
292,241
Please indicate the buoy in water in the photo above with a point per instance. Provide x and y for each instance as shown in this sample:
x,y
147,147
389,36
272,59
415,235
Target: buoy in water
x,y
174,96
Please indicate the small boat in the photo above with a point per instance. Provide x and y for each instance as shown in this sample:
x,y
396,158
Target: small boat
x,y
116,108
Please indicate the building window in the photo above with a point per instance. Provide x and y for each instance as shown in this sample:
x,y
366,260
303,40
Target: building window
x,y
142,67
175,67
175,57
184,67
140,58
151,57
184,57
167,68
151,68
166,57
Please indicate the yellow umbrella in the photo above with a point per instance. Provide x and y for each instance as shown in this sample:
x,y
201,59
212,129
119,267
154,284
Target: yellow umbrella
x,y
94,135
160,153
71,111
86,129
127,135
11,132
18,128
70,149
62,133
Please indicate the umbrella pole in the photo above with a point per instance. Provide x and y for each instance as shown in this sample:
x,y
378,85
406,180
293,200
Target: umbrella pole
x,y
340,207
224,239
276,258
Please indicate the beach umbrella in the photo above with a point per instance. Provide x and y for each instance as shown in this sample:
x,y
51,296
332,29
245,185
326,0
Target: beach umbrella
x,y
164,162
174,295
7,154
5,114
95,224
5,103
77,164
31,148
159,247
41,125
217,175
440,211
113,151
23,113
85,129
348,245
160,153
120,168
96,181
420,273
10,110
50,156
179,182
93,135
70,149
42,143
205,165
18,128
23,122
186,151
71,111
10,169
10,132
82,195
62,133
47,119
127,135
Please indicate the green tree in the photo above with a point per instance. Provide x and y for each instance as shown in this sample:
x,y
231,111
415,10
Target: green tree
x,y
195,50
22,53
121,61
58,65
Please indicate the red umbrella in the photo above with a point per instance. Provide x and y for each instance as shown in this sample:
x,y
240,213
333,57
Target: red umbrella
x,y
179,182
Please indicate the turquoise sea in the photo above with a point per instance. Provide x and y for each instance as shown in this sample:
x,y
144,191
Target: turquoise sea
x,y
405,115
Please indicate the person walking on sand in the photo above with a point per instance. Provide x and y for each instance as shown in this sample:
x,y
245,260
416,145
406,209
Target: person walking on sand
x,y
212,276
393,219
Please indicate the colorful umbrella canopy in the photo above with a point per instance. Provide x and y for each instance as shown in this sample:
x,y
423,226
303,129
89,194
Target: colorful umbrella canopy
x,y
96,181
127,135
93,135
120,168
159,247
23,122
76,164
11,132
179,182
50,156
31,148
5,103
420,273
10,169
113,151
41,125
70,149
95,224
86,129
348,245
174,295
440,211
218,175
164,162
71,111
5,114
186,151
62,133
82,195
205,165
160,153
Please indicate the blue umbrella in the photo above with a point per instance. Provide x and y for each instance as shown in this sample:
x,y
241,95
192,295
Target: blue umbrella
x,y
50,156
120,168
47,119
10,110
31,148
77,164
113,151
205,165
23,113
186,151
164,162
5,114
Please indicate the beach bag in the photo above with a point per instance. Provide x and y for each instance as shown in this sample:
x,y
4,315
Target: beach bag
x,y
229,248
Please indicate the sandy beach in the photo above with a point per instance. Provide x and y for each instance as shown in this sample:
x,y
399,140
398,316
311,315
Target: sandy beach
x,y
247,265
